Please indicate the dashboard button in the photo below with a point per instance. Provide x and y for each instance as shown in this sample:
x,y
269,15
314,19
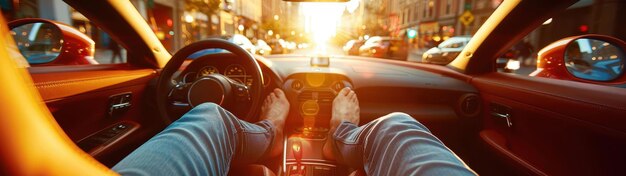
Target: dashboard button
x,y
338,86
296,85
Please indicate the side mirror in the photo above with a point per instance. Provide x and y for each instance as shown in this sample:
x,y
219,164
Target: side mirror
x,y
47,43
592,58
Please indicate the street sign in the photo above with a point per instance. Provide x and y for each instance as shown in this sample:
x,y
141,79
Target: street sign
x,y
466,18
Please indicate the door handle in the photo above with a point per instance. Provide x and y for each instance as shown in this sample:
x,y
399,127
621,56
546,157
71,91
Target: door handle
x,y
505,116
502,112
118,104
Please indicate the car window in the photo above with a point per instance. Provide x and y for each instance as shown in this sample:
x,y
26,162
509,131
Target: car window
x,y
41,42
571,46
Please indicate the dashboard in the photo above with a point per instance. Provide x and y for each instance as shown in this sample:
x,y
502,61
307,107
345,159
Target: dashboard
x,y
381,87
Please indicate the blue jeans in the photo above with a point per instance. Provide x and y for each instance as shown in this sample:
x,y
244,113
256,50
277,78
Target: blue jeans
x,y
207,139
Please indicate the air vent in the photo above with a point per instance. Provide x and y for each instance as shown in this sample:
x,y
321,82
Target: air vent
x,y
469,105
323,98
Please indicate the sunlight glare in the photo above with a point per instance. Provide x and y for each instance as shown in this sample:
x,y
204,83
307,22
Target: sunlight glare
x,y
322,19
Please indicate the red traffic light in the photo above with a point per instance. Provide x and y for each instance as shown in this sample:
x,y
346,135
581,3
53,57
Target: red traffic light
x,y
583,28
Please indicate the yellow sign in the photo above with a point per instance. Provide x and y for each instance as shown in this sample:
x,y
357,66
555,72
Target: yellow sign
x,y
466,18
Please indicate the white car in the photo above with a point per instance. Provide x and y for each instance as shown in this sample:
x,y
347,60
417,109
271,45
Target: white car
x,y
244,42
262,48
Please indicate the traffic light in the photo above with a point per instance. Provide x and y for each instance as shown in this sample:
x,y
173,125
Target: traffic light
x,y
583,28
411,33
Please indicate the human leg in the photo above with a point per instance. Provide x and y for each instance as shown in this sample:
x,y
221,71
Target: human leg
x,y
206,140
395,144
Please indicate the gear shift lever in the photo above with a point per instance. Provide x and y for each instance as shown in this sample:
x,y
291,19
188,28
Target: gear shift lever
x,y
296,148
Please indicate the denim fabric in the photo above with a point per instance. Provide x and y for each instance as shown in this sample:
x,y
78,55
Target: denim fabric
x,y
206,140
395,144
203,142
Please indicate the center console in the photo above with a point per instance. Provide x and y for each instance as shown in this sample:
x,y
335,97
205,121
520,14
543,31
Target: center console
x,y
307,128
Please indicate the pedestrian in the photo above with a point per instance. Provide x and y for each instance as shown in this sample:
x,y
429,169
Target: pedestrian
x,y
115,49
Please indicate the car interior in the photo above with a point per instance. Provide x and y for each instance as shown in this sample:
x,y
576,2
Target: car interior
x,y
77,120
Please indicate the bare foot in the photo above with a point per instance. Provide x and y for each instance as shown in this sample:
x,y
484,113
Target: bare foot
x,y
345,107
275,109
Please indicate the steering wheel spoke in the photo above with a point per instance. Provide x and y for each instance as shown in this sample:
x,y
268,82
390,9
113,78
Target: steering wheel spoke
x,y
178,95
240,91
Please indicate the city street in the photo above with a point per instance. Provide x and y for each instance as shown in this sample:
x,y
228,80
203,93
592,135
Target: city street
x,y
413,56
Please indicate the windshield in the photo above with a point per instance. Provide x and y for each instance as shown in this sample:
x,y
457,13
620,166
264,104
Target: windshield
x,y
425,31
305,28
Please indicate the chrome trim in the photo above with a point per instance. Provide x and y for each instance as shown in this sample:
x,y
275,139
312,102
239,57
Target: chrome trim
x,y
285,139
506,116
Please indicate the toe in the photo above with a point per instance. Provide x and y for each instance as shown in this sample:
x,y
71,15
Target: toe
x,y
351,94
344,91
279,93
271,97
267,101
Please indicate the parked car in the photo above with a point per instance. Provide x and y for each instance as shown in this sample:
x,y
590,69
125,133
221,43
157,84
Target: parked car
x,y
244,42
446,51
384,47
277,47
352,47
262,48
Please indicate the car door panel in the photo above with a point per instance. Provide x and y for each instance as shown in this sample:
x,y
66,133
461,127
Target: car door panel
x,y
558,127
80,101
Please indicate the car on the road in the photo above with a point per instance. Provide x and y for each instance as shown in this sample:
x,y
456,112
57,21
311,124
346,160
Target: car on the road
x,y
278,46
446,51
84,119
352,47
384,47
243,41
262,48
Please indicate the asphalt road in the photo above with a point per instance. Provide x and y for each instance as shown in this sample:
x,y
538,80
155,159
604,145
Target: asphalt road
x,y
330,50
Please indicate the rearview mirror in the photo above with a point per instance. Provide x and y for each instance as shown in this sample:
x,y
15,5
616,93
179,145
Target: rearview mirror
x,y
594,59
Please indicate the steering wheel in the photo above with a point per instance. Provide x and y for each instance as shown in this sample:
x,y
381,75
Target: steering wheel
x,y
215,88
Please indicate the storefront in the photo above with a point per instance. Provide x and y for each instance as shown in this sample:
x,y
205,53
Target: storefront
x,y
196,27
447,28
160,19
428,34
227,23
